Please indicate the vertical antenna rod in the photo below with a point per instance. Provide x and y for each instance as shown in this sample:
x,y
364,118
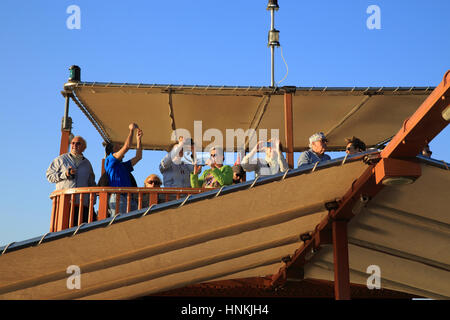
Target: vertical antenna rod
x,y
274,36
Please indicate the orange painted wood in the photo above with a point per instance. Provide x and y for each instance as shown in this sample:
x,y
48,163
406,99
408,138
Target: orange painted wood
x,y
63,212
289,129
80,209
64,146
53,216
72,210
128,202
388,167
102,205
91,207
341,264
425,124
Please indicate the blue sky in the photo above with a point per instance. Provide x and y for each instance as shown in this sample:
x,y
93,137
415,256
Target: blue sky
x,y
325,43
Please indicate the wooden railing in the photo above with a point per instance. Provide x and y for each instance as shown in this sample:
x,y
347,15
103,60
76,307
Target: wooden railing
x,y
67,213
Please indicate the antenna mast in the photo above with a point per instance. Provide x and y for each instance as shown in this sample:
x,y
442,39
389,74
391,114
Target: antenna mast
x,y
274,36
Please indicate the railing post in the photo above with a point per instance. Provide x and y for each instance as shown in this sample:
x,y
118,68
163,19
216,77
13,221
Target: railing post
x,y
153,198
102,205
63,214
53,216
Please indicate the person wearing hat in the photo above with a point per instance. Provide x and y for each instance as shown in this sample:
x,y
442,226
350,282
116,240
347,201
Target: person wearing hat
x,y
316,152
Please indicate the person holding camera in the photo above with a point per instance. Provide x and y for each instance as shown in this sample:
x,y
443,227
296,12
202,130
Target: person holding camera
x,y
176,172
218,175
273,162
73,170
119,171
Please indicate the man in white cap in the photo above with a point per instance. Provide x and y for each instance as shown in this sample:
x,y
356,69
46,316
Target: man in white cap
x,y
316,153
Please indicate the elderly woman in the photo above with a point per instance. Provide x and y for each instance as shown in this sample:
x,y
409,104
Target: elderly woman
x,y
273,163
217,176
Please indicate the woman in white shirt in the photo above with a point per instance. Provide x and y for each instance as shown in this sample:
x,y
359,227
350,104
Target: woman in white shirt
x,y
273,163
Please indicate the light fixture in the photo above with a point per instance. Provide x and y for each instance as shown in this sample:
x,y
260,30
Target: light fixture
x,y
397,181
446,114
75,74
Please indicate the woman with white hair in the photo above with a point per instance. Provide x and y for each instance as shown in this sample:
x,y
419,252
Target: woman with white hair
x,y
273,163
217,176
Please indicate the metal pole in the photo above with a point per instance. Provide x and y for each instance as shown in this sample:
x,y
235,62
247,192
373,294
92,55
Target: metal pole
x,y
272,50
66,112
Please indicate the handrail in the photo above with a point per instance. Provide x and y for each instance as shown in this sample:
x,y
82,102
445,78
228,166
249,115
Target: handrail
x,y
67,211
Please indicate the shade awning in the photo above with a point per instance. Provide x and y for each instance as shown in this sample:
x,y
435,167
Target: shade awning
x,y
371,114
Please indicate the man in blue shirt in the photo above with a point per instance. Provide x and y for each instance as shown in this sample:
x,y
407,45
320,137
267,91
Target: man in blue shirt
x,y
316,153
119,172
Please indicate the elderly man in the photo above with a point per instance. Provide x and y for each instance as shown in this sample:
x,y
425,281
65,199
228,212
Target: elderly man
x,y
73,170
316,153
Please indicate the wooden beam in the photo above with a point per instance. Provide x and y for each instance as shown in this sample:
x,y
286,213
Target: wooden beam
x,y
289,129
341,265
425,124
64,146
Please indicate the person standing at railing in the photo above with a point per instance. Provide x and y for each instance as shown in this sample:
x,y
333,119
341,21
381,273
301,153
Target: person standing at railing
x,y
73,170
354,145
316,153
217,176
174,169
152,181
119,171
273,163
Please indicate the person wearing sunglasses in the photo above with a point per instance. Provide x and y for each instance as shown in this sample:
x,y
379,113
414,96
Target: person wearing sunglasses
x,y
354,145
273,162
73,170
217,176
316,152
152,181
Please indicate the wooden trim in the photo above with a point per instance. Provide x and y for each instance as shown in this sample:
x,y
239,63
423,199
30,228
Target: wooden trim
x,y
341,264
289,129
64,145
63,212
